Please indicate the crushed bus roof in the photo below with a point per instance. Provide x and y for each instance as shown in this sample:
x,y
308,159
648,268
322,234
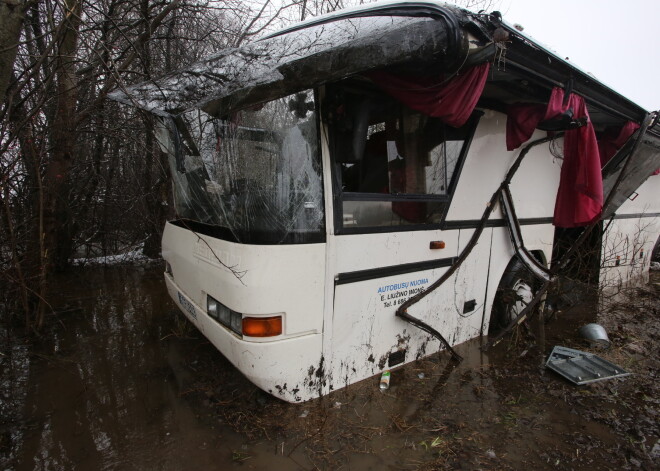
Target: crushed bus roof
x,y
349,42
293,61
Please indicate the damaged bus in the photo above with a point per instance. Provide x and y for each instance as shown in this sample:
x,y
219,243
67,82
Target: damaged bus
x,y
369,187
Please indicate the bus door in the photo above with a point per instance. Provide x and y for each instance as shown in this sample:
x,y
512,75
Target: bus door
x,y
394,172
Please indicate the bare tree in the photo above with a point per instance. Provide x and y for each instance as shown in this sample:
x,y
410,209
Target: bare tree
x,y
82,175
12,14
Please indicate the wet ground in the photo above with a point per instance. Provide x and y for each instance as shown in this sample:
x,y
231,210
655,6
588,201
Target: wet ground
x,y
121,381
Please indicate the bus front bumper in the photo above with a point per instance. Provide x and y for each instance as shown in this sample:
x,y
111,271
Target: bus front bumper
x,y
288,368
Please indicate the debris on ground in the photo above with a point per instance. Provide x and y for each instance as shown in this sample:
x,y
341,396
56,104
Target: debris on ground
x,y
581,367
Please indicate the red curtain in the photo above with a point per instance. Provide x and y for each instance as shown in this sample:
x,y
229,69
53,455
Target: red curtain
x,y
452,101
522,119
613,139
580,195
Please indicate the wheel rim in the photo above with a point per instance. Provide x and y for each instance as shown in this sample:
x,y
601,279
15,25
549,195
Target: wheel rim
x,y
523,296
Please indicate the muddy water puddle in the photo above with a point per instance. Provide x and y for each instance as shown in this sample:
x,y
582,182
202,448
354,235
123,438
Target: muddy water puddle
x,y
123,382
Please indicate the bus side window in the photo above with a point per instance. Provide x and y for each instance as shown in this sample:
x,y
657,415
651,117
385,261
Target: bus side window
x,y
394,165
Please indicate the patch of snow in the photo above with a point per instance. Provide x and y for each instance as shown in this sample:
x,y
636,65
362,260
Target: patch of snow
x,y
133,256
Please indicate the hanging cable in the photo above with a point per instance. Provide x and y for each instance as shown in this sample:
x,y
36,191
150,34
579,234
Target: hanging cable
x,y
402,311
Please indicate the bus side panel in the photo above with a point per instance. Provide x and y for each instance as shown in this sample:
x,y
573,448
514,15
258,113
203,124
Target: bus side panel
x,y
533,187
456,309
470,307
368,338
645,200
539,238
626,252
366,330
629,239
501,251
368,251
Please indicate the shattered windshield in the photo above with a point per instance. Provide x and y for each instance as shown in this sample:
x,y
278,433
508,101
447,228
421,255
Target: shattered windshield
x,y
253,177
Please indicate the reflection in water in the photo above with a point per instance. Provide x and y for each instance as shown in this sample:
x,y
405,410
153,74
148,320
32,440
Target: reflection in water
x,y
100,392
14,369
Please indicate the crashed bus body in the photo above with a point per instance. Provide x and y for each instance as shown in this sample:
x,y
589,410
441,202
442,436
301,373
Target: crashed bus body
x,y
327,174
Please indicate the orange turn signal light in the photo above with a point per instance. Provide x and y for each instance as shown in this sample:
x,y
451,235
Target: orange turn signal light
x,y
262,326
437,244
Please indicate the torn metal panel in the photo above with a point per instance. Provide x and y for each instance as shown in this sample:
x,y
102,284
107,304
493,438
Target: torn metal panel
x,y
644,160
582,367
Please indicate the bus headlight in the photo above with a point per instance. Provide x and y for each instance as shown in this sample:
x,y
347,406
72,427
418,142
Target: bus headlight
x,y
222,314
236,318
212,308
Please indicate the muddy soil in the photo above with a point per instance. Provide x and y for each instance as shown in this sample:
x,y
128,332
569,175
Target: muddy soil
x,y
121,381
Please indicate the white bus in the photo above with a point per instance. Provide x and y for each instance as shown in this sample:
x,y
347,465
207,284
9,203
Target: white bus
x,y
326,174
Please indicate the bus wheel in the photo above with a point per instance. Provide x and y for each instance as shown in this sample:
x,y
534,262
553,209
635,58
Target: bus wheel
x,y
655,254
515,291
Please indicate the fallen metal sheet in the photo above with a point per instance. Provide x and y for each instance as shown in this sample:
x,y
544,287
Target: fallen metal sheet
x,y
582,367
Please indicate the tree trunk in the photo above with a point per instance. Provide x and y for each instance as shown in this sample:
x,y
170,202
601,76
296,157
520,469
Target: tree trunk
x,y
56,231
156,192
12,13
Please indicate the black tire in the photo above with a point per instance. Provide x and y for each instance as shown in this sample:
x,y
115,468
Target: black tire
x,y
516,289
655,254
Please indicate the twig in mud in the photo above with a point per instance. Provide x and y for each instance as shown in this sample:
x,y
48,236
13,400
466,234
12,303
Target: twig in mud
x,y
401,424
51,358
177,335
307,438
363,436
263,429
438,428
374,428
239,456
299,464
193,390
361,417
